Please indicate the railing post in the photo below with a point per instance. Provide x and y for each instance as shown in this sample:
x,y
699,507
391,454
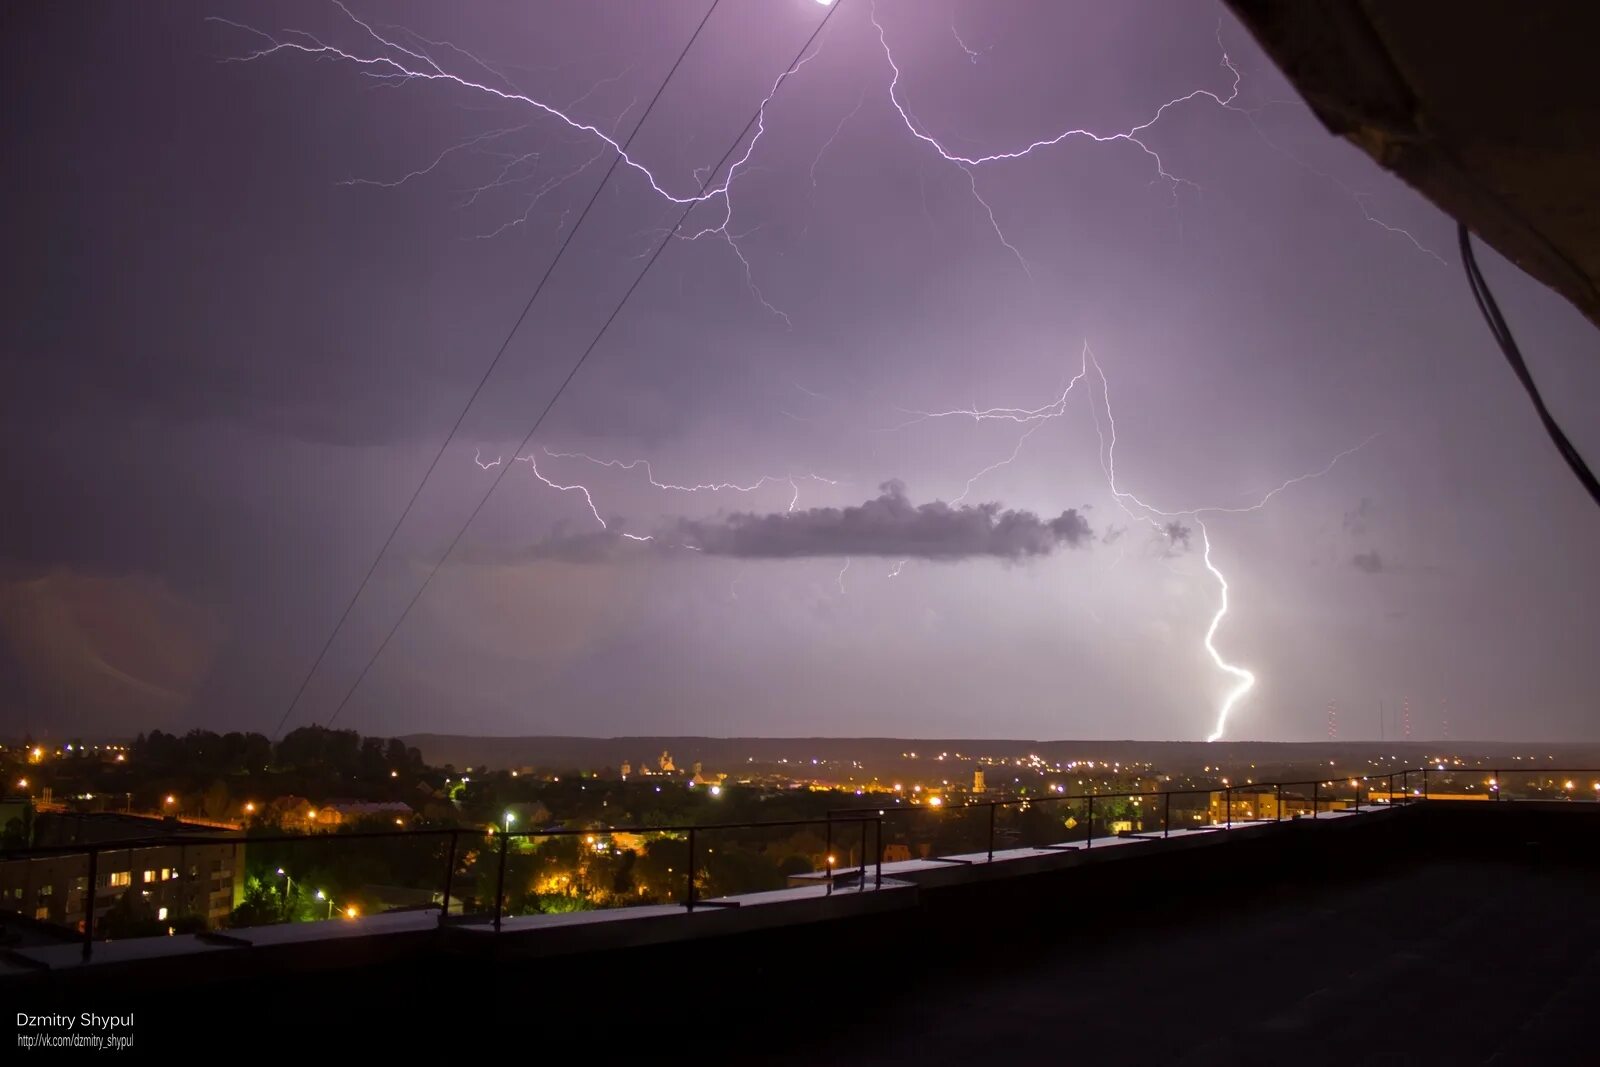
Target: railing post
x,y
449,877
991,831
1424,783
1089,842
88,905
862,884
1391,789
877,876
1405,783
1166,813
1498,786
1316,800
500,882
689,901
1277,804
827,855
1227,800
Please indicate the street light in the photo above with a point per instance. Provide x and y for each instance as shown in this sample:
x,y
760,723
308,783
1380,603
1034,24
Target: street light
x,y
510,818
323,896
289,883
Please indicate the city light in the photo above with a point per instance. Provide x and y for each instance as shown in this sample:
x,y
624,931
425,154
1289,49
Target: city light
x,y
934,802
716,790
249,807
171,799
22,783
394,774
351,912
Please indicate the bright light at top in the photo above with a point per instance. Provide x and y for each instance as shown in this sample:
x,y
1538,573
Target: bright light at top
x,y
825,3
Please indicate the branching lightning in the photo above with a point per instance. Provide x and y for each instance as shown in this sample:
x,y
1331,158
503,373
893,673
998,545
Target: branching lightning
x,y
402,57
388,60
1162,521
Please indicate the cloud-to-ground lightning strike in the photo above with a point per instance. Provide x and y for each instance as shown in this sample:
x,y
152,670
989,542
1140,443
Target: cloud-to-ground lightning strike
x,y
1139,509
1247,679
1153,515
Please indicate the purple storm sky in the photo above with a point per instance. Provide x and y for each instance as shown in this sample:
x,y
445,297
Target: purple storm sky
x,y
233,337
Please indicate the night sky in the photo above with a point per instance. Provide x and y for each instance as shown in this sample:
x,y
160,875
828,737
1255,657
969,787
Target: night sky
x,y
233,339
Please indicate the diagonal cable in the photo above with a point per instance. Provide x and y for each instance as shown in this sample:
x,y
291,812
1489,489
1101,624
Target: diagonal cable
x,y
505,468
484,380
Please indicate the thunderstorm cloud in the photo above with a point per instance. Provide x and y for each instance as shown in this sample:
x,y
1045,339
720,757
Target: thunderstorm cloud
x,y
888,525
1370,562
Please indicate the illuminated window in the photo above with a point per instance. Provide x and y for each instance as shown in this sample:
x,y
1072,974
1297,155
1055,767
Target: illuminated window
x,y
166,873
120,878
161,914
149,876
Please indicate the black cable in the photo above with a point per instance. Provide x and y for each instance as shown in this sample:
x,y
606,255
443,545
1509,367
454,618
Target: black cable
x,y
506,467
484,380
1508,345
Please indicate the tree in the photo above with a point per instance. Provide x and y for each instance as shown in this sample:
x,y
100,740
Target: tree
x,y
215,800
262,906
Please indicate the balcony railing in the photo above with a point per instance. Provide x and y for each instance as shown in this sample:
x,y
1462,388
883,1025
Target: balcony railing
x,y
955,833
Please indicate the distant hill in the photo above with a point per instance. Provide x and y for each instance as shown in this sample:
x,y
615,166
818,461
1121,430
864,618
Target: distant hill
x,y
878,754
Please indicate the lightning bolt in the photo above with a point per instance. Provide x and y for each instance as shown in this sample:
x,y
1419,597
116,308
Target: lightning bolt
x,y
1134,506
533,464
1131,135
791,480
390,61
1247,680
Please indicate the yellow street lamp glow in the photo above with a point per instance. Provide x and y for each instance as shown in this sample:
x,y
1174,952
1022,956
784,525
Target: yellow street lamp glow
x,y
171,799
351,912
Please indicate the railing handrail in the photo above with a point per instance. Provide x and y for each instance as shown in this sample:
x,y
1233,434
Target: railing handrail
x,y
865,811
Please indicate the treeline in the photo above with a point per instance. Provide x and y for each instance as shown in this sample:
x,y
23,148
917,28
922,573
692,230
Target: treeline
x,y
310,750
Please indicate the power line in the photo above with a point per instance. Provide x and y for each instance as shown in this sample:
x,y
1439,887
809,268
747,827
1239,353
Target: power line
x,y
1513,354
506,467
487,373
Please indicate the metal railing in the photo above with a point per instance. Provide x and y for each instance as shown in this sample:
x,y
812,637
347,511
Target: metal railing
x,y
846,820
690,900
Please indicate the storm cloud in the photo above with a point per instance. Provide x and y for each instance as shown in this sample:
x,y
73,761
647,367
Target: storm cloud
x,y
1370,562
888,525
